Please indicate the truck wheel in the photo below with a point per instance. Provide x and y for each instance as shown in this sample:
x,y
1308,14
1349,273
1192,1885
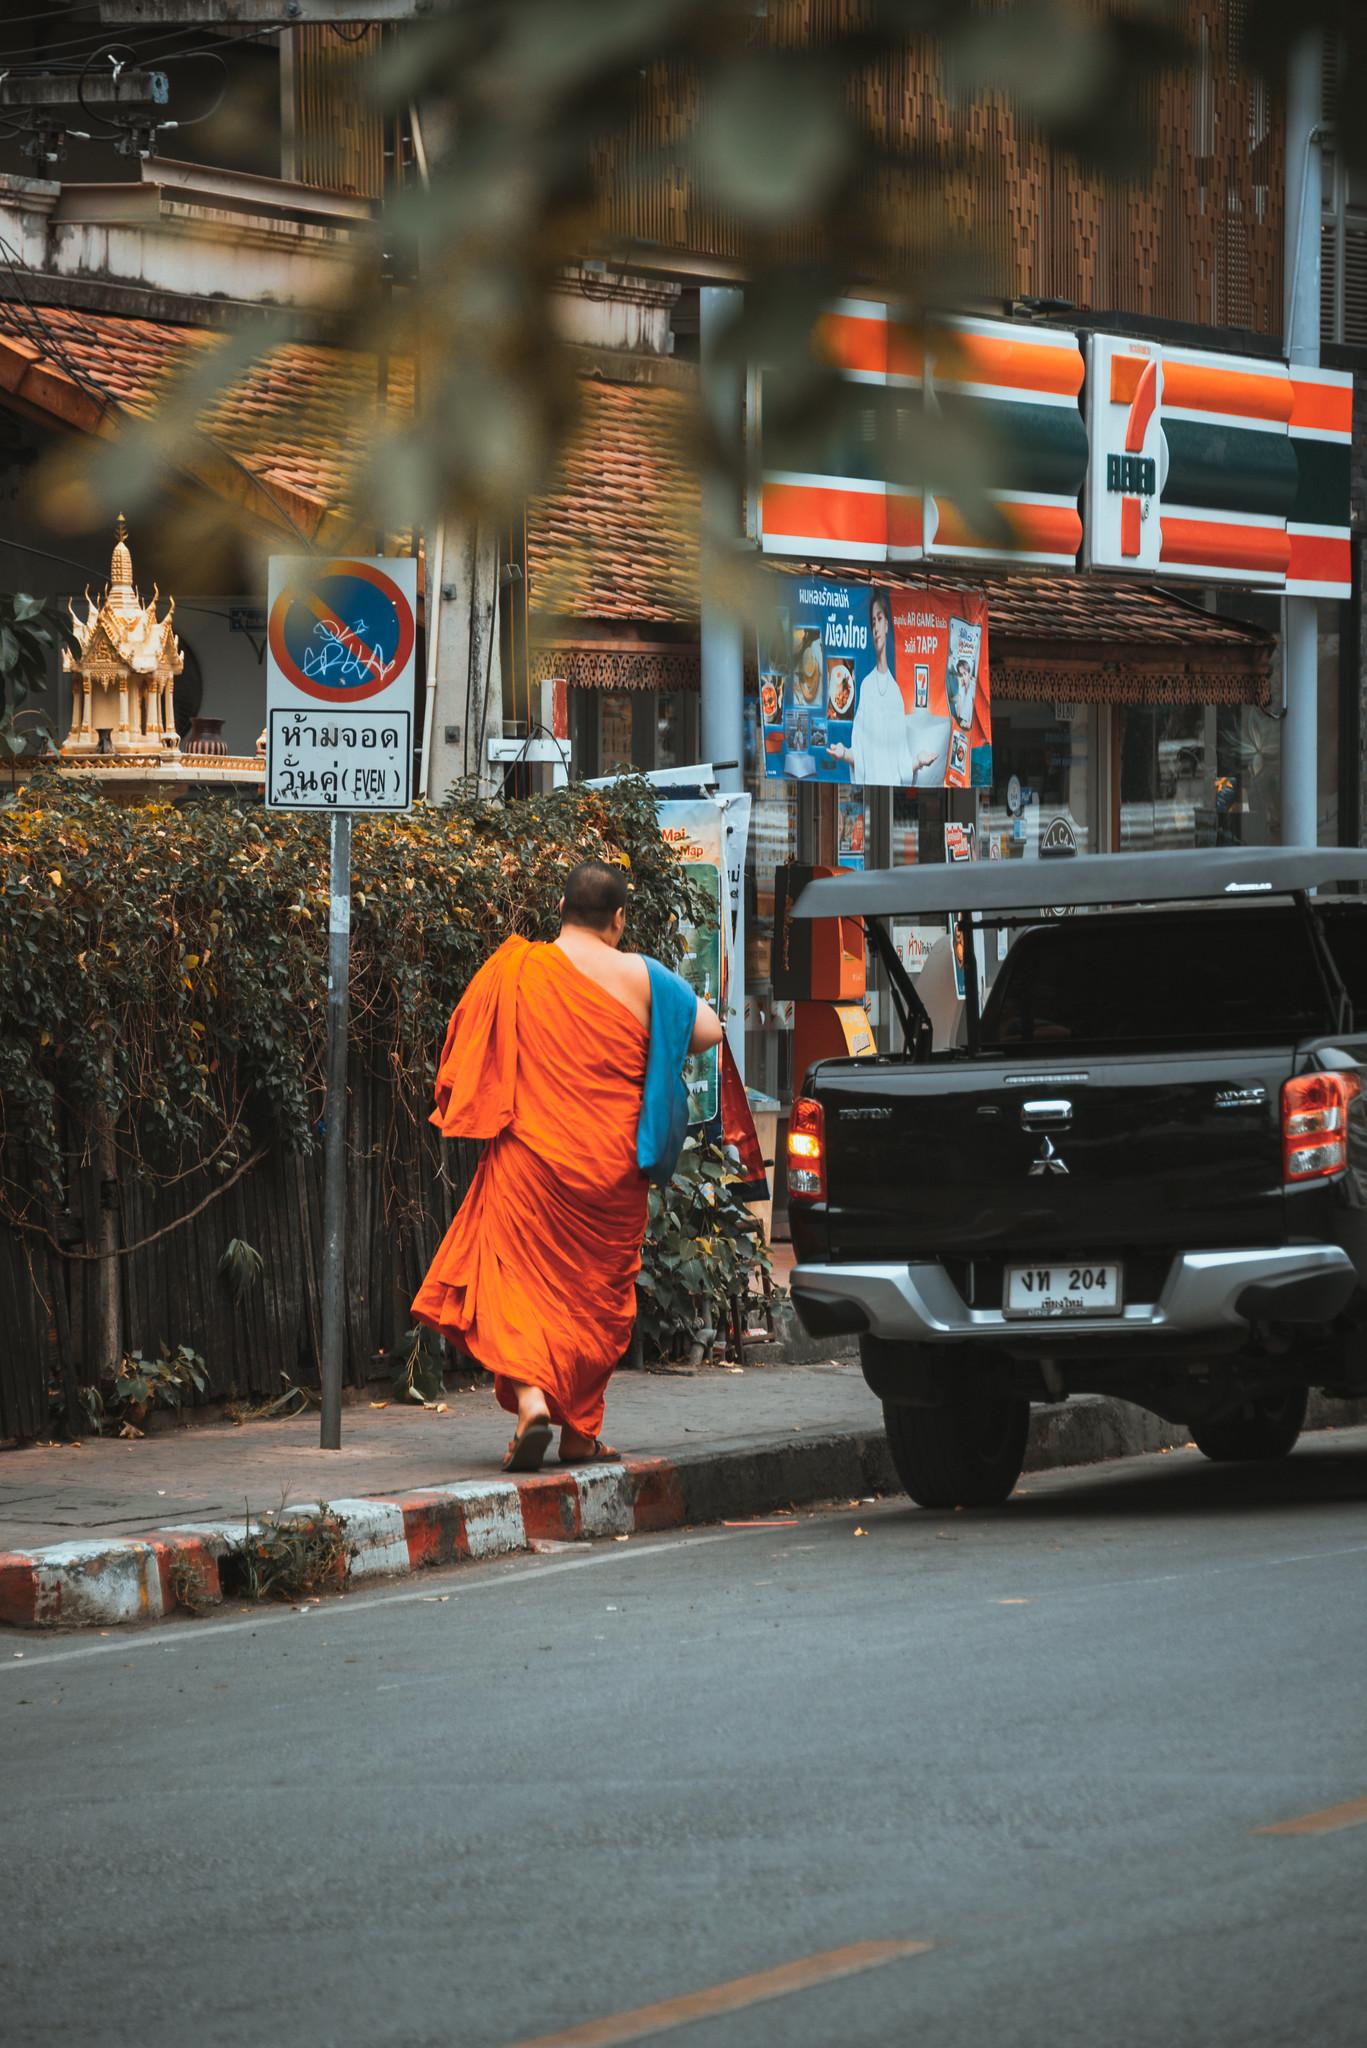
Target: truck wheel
x,y
964,1454
1265,1427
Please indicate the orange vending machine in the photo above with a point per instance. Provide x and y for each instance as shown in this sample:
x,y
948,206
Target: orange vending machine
x,y
820,966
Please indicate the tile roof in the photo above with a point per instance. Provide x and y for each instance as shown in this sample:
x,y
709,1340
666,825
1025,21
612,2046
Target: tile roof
x,y
284,438
617,535
1129,616
615,538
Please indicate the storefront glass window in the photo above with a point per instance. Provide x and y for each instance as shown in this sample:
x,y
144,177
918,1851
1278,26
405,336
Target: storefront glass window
x,y
906,828
1045,756
614,731
1197,775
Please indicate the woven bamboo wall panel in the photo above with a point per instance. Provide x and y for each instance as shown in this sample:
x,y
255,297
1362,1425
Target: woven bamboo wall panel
x,y
338,135
1199,240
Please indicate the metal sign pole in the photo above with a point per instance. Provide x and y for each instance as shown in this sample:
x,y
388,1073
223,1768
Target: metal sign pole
x,y
334,1155
340,641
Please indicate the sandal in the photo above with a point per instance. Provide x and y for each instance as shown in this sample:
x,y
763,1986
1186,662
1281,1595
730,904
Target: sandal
x,y
601,1454
529,1446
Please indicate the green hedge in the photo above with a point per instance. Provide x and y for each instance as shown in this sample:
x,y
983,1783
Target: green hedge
x,y
164,966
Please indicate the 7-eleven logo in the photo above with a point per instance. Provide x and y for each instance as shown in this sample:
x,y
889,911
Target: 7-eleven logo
x,y
1135,381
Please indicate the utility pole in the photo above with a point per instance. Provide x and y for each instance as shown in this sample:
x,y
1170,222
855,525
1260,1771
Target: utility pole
x,y
1300,615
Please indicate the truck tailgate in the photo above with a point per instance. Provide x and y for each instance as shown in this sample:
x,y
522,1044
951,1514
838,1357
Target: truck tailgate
x,y
1109,1154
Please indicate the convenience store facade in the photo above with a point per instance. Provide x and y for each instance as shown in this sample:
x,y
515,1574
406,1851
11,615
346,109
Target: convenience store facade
x,y
1148,506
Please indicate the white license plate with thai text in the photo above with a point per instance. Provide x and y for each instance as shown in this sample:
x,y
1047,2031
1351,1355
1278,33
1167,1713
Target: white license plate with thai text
x,y
1057,1290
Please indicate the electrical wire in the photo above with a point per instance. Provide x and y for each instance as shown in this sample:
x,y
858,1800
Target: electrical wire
x,y
22,547
43,13
110,50
129,124
22,62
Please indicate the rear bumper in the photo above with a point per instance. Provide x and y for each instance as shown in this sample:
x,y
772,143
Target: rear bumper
x,y
1203,1291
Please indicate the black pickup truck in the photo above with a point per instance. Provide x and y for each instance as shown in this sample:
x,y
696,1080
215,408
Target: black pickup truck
x,y
1143,1171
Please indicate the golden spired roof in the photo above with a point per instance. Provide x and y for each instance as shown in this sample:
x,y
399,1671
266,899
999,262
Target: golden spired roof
x,y
134,633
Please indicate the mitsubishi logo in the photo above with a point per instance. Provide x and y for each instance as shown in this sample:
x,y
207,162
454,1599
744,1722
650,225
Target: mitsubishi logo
x,y
1048,1161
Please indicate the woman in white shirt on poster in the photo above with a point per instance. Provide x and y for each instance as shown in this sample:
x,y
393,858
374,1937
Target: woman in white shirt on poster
x,y
879,751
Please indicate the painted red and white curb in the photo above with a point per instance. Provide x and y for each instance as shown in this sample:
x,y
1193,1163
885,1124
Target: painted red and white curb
x,y
100,1583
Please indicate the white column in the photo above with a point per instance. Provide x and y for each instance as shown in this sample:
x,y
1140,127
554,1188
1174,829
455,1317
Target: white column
x,y
464,706
720,632
1300,615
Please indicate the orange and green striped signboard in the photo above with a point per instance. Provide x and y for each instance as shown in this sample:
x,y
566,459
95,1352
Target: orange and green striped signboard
x,y
1217,468
865,487
1102,452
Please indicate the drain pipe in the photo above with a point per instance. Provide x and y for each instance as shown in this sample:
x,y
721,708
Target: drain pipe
x,y
436,571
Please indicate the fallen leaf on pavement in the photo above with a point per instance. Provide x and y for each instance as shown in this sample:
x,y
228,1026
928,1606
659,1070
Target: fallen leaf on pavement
x,y
861,1532
379,1404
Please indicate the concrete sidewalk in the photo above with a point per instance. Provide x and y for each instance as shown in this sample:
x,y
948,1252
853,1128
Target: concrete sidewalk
x,y
115,1530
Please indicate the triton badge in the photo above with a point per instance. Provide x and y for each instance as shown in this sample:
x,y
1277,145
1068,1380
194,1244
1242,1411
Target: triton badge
x,y
1048,1161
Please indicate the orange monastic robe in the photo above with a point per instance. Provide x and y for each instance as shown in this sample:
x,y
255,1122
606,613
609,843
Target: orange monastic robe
x,y
536,1276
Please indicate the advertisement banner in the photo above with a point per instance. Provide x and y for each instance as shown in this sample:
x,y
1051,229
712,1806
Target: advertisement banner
x,y
876,687
694,828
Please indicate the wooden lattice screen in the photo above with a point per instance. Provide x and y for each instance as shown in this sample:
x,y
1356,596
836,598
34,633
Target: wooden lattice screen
x,y
336,134
1200,240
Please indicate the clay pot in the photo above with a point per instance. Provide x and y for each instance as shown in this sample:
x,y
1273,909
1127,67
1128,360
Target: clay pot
x,y
206,737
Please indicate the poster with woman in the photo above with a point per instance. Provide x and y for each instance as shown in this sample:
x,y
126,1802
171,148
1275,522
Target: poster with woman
x,y
874,687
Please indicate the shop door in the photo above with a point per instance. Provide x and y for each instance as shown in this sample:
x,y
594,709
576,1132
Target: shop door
x,y
1046,780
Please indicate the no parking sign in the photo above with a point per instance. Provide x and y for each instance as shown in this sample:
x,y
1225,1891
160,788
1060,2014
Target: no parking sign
x,y
339,683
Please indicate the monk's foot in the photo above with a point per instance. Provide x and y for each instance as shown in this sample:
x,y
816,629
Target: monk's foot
x,y
584,1450
527,1449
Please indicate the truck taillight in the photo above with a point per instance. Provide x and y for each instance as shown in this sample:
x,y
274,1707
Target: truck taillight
x,y
1315,1124
807,1151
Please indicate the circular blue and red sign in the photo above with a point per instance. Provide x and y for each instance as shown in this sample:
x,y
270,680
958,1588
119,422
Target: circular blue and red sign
x,y
343,634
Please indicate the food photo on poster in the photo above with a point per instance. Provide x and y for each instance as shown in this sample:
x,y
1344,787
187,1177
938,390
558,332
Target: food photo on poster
x,y
868,686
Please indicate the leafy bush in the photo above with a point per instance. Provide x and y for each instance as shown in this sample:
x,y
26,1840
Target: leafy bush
x,y
31,629
167,1381
702,1248
163,968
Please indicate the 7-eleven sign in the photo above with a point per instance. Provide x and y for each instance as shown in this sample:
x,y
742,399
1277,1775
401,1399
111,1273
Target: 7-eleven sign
x,y
1128,463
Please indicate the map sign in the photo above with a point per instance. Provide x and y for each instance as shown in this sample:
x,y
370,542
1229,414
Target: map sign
x,y
340,682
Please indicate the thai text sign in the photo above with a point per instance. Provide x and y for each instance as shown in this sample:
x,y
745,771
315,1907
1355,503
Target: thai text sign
x,y
875,687
339,683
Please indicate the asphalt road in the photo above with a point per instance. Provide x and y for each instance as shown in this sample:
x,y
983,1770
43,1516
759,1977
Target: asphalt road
x,y
495,1804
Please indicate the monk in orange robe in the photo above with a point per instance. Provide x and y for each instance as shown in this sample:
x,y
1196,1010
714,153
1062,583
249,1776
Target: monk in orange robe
x,y
545,1060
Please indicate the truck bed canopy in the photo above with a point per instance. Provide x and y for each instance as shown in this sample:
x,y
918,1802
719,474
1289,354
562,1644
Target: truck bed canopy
x,y
984,888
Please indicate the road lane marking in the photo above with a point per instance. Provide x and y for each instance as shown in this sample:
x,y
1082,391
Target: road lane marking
x,y
1351,1814
733,1996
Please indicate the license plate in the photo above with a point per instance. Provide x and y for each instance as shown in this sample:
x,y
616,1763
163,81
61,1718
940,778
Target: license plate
x,y
1061,1289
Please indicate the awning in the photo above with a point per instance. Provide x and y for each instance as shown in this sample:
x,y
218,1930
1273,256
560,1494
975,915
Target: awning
x,y
1072,639
624,664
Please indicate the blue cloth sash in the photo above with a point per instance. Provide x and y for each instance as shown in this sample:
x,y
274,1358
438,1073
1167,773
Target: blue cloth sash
x,y
663,1124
